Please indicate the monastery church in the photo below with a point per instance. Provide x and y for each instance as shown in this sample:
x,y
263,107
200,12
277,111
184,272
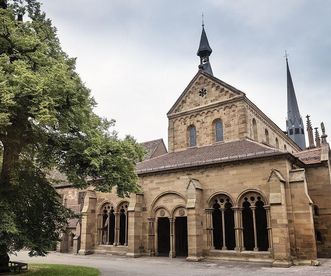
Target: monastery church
x,y
232,185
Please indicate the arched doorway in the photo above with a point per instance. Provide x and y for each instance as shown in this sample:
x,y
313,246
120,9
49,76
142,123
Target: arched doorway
x,y
163,236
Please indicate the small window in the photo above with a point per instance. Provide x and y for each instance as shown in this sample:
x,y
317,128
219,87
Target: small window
x,y
218,130
297,130
277,143
285,148
302,132
266,132
192,136
291,131
254,129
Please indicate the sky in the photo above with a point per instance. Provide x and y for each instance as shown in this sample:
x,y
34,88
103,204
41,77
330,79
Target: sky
x,y
137,57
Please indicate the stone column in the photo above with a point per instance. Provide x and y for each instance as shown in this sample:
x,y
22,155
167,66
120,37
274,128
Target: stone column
x,y
156,248
254,227
279,222
237,228
126,229
267,209
209,228
151,235
88,224
223,229
135,220
194,220
117,229
108,229
172,252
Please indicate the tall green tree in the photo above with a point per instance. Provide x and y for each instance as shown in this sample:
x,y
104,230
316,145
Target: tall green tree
x,y
47,122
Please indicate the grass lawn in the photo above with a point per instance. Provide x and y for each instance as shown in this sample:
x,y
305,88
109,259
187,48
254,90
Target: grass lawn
x,y
59,270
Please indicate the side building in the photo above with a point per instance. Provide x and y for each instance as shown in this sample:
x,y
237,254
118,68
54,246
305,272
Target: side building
x,y
232,186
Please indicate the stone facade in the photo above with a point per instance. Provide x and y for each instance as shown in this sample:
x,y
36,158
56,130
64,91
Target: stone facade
x,y
242,191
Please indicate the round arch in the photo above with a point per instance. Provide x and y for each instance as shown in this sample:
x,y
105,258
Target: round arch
x,y
161,195
209,200
247,191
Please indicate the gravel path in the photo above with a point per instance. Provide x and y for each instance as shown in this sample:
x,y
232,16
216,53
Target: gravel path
x,y
163,266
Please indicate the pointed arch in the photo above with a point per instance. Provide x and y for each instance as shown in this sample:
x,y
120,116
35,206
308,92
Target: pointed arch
x,y
106,221
223,222
254,221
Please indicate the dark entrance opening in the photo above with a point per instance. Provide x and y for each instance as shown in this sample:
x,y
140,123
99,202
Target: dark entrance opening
x,y
247,217
163,236
217,226
261,226
122,227
181,236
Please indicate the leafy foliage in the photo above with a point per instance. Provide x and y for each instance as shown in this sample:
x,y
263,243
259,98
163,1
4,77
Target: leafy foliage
x,y
47,123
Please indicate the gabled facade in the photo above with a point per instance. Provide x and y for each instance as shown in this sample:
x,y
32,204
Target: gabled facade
x,y
233,186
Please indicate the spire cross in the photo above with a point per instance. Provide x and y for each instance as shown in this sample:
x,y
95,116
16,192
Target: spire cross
x,y
203,21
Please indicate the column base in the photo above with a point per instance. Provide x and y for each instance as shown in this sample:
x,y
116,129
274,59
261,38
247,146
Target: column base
x,y
282,263
85,252
134,255
194,259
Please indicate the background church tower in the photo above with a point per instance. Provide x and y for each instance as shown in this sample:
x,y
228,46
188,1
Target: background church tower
x,y
204,52
294,124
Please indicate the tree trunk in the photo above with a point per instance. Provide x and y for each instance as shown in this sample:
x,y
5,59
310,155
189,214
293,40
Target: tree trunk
x,y
10,157
4,262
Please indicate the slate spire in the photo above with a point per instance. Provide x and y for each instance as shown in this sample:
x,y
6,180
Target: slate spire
x,y
204,52
294,124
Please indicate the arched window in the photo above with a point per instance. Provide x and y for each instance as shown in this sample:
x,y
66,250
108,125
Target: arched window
x,y
218,130
123,233
192,136
107,224
266,132
277,143
254,222
254,129
223,223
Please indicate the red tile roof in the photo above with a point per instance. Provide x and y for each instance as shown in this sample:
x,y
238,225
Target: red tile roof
x,y
206,155
311,156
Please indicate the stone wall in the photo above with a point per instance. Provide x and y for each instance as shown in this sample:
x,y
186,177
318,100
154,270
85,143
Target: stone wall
x,y
319,187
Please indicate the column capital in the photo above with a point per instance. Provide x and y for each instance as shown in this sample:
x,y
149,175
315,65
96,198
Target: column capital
x,y
151,219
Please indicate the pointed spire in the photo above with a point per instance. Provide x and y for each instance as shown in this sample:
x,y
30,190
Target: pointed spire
x,y
310,133
324,136
317,138
204,51
294,124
